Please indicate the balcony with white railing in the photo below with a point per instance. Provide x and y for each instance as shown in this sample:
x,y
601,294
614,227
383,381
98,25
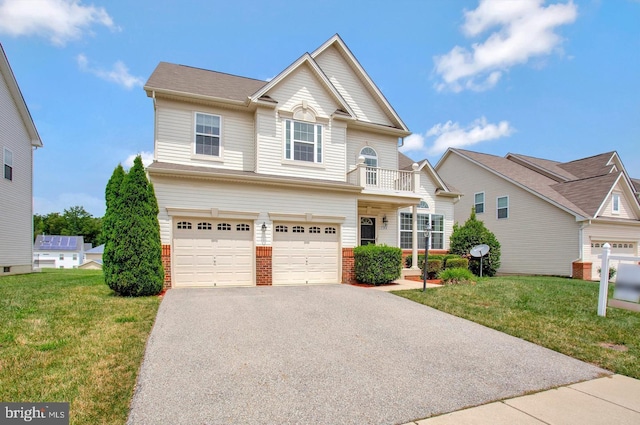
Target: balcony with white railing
x,y
384,180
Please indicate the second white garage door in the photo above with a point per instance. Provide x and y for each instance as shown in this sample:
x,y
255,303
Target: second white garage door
x,y
305,254
212,253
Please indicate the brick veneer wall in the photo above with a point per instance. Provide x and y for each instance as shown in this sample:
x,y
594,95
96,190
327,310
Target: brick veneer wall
x,y
581,270
348,266
166,263
264,270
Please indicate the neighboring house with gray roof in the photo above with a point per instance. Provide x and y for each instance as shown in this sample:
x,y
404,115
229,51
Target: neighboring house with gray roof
x,y
550,217
59,252
18,140
93,258
275,182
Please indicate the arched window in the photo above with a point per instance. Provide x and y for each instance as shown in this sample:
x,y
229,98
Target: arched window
x,y
370,156
184,225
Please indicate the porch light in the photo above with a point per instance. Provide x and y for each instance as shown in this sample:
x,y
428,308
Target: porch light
x,y
264,227
385,221
427,234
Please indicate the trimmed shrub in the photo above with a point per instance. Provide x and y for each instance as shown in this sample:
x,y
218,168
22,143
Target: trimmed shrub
x,y
456,275
377,264
443,257
434,266
473,233
457,263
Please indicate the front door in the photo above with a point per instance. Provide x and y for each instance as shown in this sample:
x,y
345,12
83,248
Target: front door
x,y
367,230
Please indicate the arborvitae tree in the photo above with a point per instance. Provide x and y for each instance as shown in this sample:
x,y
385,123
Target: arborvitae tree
x,y
138,251
110,266
473,233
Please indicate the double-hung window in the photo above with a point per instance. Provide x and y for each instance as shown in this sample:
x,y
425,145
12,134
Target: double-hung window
x,y
503,207
207,134
303,141
479,202
436,239
7,158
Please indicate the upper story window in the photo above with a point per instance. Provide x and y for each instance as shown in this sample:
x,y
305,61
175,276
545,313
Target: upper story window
x,y
479,202
615,205
303,141
370,156
8,164
207,134
503,207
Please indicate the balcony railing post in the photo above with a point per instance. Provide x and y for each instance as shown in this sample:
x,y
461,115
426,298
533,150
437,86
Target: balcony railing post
x,y
416,177
362,172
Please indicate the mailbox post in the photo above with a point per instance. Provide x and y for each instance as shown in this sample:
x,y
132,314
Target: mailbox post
x,y
427,234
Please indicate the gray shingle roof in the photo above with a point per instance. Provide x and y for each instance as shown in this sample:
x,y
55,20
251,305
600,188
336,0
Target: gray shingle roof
x,y
186,79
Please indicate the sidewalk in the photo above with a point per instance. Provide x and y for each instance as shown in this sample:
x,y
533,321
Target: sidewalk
x,y
611,400
402,284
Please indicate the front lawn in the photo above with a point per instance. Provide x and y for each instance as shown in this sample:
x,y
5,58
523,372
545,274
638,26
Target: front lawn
x,y
557,313
66,337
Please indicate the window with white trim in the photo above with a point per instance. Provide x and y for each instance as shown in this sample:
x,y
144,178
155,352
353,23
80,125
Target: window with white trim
x,y
303,141
281,229
314,229
436,239
184,225
7,158
478,200
224,226
615,203
502,205
329,230
204,225
297,229
243,227
207,134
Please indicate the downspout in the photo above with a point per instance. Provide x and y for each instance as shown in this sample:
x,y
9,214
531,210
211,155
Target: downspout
x,y
401,142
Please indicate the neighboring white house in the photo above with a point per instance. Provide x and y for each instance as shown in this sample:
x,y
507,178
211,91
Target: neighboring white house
x,y
18,138
275,182
550,217
60,252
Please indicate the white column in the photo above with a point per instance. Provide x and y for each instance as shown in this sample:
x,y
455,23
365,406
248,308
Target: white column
x,y
414,237
604,280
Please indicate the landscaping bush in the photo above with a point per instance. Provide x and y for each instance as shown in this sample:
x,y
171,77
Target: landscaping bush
x,y
434,266
456,275
612,272
377,264
442,257
473,233
457,263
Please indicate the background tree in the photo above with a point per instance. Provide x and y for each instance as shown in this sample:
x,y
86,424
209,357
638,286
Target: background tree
x,y
133,235
473,233
75,221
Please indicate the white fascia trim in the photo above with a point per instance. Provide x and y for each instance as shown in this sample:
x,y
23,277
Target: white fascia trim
x,y
521,186
200,97
306,58
306,218
380,128
363,74
434,174
211,212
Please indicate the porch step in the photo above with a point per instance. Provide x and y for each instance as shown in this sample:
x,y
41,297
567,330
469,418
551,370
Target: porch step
x,y
410,272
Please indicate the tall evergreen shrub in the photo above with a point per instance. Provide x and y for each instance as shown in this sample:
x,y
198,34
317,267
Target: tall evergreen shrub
x,y
136,256
473,233
110,265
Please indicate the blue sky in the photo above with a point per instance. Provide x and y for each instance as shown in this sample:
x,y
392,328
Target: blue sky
x,y
557,79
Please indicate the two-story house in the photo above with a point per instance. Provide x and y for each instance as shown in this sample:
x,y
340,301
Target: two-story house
x,y
18,139
275,182
59,252
550,217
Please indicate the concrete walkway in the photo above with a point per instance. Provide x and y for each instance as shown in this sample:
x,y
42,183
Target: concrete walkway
x,y
611,400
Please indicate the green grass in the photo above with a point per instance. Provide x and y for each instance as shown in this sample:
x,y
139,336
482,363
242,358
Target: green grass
x,y
557,313
66,337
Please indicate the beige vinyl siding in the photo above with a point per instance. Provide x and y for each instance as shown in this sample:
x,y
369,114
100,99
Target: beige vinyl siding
x,y
175,136
16,237
188,193
599,233
352,89
626,209
537,238
301,85
386,236
385,146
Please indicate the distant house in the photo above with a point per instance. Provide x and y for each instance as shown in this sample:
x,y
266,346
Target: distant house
x,y
60,252
550,217
18,138
93,258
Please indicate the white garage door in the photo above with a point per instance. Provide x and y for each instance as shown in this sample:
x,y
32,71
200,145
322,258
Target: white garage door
x,y
305,254
212,253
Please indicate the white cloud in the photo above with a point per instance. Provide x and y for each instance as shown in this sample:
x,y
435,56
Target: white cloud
x,y
118,74
58,20
451,135
413,142
92,204
523,29
147,159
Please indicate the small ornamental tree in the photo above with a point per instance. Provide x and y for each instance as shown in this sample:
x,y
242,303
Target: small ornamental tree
x,y
110,265
473,233
134,234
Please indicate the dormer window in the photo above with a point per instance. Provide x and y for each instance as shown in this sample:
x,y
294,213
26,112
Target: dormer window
x,y
303,141
207,134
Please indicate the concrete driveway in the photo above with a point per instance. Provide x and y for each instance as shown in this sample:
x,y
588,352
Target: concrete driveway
x,y
327,355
